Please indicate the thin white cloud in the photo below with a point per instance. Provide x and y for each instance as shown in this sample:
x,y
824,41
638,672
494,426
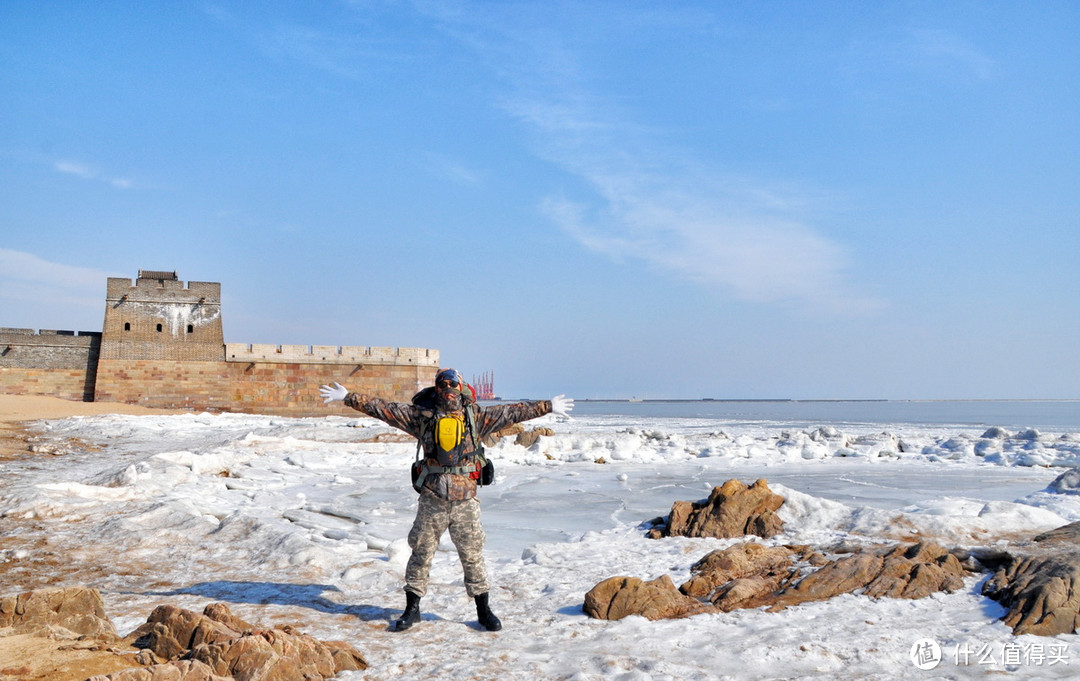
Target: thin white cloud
x,y
929,54
88,172
452,170
353,52
27,278
712,239
747,239
38,294
940,47
651,204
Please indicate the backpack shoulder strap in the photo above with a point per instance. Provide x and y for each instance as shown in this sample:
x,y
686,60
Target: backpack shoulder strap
x,y
470,423
426,418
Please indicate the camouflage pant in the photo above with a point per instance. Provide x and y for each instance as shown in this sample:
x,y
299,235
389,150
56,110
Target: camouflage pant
x,y
433,517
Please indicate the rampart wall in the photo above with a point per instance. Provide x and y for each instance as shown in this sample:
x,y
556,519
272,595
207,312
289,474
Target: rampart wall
x,y
162,346
49,362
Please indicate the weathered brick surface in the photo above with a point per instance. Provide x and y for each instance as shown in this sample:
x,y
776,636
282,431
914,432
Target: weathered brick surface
x,y
69,384
285,389
171,384
293,389
45,349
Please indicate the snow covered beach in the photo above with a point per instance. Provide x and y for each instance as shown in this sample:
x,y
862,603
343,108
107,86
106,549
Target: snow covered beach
x,y
303,521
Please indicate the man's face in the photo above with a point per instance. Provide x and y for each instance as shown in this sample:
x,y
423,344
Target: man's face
x,y
448,395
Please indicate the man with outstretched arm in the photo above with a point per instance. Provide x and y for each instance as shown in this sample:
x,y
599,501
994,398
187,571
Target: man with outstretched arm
x,y
449,426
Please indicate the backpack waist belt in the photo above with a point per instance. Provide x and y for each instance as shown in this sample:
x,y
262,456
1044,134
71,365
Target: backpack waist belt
x,y
467,469
421,469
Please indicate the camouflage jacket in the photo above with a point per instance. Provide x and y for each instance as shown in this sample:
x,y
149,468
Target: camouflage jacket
x,y
410,418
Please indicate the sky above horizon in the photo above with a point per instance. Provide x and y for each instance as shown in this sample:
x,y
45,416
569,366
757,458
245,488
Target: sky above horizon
x,y
808,200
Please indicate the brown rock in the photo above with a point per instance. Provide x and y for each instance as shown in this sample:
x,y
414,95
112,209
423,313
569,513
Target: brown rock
x,y
214,645
346,658
837,577
219,612
741,561
1066,535
1042,593
180,670
230,647
171,632
902,571
619,597
750,575
527,438
916,571
268,655
77,609
732,510
492,439
746,593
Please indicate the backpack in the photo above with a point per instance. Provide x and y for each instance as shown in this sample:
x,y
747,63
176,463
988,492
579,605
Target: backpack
x,y
481,469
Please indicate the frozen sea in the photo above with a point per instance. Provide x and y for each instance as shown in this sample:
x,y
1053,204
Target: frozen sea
x,y
303,521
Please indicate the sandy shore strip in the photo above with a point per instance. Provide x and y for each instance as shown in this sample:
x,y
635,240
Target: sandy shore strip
x,y
17,410
36,407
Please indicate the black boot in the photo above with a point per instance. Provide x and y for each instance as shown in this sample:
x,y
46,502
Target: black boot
x,y
412,612
488,620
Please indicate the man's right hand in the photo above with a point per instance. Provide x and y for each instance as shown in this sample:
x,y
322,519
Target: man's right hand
x,y
562,405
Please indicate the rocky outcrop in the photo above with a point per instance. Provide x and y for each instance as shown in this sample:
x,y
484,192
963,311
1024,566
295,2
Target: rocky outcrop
x,y
525,438
492,439
1042,593
619,597
230,647
740,576
176,644
528,438
1041,588
77,609
180,670
732,510
751,575
171,632
900,571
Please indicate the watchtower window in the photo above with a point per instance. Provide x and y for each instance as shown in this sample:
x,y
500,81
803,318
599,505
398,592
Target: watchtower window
x,y
159,328
127,326
191,328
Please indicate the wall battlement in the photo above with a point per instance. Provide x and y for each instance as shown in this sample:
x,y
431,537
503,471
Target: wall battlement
x,y
332,354
45,335
157,285
162,345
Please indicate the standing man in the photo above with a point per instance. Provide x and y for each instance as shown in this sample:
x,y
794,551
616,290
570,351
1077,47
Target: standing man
x,y
449,426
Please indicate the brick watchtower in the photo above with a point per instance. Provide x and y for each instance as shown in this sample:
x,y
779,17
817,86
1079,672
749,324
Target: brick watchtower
x,y
159,318
162,343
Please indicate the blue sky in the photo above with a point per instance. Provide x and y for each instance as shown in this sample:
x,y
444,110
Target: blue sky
x,y
607,199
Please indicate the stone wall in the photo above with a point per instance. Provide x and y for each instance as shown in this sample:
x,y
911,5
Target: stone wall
x,y
291,389
162,345
49,362
171,384
280,388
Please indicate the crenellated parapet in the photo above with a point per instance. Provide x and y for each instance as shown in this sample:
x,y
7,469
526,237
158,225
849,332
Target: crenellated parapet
x,y
330,354
48,348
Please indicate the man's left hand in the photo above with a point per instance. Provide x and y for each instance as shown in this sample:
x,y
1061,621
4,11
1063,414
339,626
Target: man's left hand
x,y
333,393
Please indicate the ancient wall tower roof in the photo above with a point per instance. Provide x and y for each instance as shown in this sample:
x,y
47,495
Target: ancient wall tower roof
x,y
159,317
